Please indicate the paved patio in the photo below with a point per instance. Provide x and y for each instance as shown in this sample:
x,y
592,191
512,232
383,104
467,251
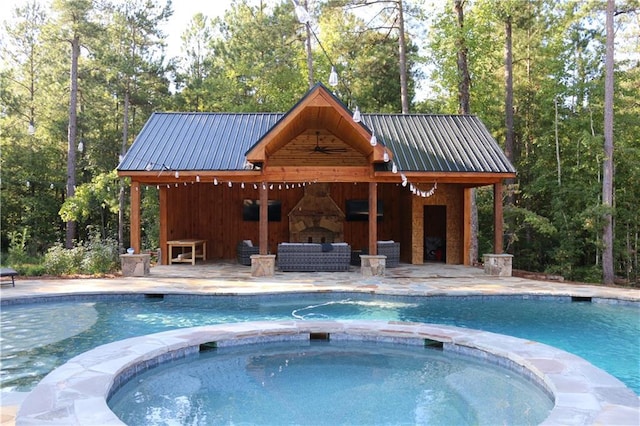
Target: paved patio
x,y
231,278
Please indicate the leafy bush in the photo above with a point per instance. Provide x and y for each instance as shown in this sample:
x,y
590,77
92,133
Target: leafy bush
x,y
97,256
62,261
101,255
30,269
18,247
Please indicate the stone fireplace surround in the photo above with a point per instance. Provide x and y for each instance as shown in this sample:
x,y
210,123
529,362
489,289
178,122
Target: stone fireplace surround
x,y
316,218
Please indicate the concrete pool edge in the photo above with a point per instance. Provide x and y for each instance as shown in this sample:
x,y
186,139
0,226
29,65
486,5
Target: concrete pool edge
x,y
77,391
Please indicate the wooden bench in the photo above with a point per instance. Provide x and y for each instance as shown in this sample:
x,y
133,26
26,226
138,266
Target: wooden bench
x,y
9,272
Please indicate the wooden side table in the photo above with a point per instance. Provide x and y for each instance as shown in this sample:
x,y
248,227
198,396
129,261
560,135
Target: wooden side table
x,y
187,256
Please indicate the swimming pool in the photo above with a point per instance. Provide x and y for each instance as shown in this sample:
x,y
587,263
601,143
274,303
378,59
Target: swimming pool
x,y
36,338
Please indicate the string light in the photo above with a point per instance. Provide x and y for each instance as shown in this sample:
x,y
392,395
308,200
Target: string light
x,y
333,77
374,140
197,178
357,117
177,174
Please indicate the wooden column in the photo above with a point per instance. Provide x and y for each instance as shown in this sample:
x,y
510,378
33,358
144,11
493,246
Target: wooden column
x,y
135,216
498,230
373,218
264,219
466,230
164,224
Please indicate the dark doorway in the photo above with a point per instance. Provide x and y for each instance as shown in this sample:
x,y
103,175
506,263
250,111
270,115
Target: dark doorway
x,y
435,233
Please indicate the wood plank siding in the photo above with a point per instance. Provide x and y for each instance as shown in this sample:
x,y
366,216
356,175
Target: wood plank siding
x,y
214,213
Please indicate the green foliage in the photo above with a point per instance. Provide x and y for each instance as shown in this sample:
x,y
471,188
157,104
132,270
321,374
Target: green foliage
x,y
521,223
98,194
18,257
18,247
59,260
555,222
101,256
97,256
30,269
150,206
258,59
362,70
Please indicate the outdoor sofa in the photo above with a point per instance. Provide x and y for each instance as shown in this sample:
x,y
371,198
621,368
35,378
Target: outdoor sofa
x,y
244,250
313,257
390,249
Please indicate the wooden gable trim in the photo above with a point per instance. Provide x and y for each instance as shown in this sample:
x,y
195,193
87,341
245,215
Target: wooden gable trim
x,y
319,108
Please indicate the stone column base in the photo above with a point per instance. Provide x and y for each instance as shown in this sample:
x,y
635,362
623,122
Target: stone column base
x,y
498,264
263,265
135,265
372,266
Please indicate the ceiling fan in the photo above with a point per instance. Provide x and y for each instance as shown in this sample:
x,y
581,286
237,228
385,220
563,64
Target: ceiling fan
x,y
325,149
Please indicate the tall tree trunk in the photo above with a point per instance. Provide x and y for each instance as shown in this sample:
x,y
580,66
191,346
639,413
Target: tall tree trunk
x,y
123,151
508,104
464,80
72,135
464,107
309,56
404,92
307,44
555,129
607,172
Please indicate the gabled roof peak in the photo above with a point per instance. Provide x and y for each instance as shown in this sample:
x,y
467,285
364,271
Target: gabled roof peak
x,y
318,109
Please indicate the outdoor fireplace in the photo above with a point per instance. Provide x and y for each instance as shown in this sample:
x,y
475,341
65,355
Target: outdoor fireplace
x,y
316,218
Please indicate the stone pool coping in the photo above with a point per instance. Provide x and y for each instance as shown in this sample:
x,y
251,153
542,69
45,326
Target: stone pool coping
x,y
76,393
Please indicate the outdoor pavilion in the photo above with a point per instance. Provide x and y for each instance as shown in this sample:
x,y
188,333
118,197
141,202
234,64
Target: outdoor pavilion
x,y
298,176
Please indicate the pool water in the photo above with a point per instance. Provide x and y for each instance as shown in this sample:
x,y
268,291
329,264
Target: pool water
x,y
37,338
328,383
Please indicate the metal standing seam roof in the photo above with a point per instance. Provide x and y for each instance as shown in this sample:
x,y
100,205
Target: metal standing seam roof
x,y
439,143
218,141
196,141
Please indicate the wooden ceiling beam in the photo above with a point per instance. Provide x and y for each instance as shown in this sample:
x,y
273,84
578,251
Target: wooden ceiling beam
x,y
336,173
